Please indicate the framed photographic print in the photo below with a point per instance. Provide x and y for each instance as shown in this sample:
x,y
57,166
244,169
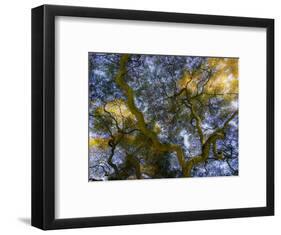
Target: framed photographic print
x,y
146,117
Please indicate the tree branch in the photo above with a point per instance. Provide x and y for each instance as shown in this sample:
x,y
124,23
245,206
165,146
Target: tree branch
x,y
142,126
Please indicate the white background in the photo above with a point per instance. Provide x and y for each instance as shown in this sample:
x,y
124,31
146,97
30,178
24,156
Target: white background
x,y
75,197
15,117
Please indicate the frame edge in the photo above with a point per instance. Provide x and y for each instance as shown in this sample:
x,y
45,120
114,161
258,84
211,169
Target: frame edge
x,y
270,110
37,151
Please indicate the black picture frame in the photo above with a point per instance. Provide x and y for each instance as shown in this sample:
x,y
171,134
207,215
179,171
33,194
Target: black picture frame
x,y
43,116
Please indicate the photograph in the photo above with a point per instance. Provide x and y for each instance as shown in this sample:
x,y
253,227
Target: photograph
x,y
150,116
162,116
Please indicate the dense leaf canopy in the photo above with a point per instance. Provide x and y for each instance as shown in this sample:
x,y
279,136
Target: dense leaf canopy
x,y
153,116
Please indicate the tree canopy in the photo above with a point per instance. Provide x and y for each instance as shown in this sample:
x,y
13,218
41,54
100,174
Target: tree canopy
x,y
156,116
